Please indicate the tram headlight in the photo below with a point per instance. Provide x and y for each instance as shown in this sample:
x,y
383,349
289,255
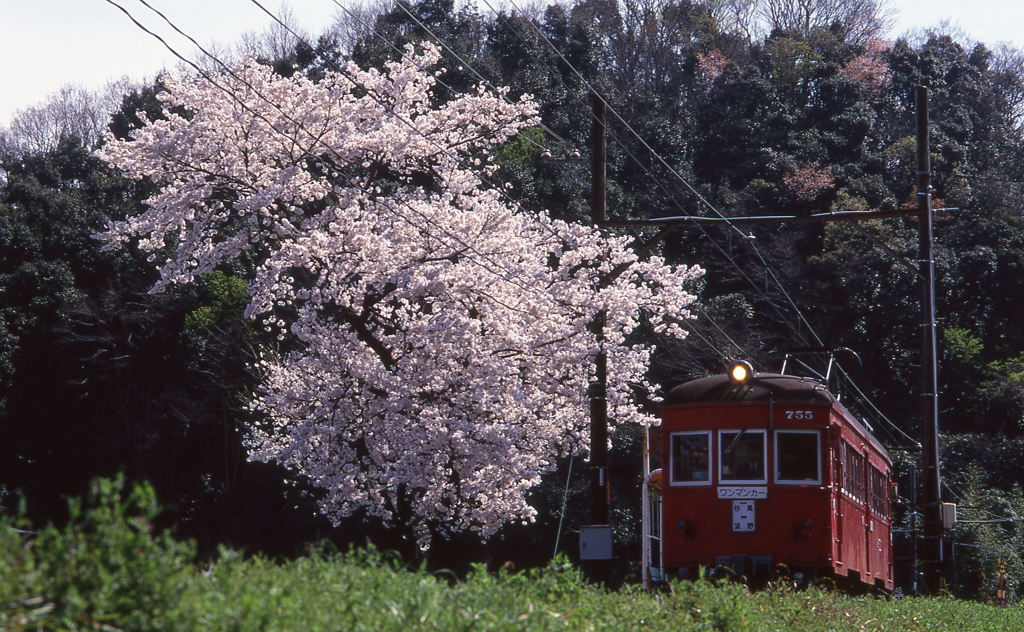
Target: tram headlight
x,y
740,371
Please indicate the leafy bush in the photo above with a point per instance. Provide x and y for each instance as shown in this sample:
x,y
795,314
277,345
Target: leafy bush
x,y
225,298
106,566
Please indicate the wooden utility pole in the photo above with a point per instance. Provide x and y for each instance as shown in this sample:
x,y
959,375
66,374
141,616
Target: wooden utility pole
x,y
932,501
596,538
598,162
599,485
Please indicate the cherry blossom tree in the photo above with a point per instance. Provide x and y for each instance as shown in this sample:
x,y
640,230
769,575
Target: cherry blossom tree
x,y
870,68
438,335
809,181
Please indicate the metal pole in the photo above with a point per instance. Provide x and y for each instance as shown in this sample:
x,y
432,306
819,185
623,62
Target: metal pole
x,y
915,567
645,512
565,501
599,488
933,550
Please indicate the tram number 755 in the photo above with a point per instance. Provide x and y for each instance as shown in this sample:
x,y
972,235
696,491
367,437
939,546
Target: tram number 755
x,y
800,415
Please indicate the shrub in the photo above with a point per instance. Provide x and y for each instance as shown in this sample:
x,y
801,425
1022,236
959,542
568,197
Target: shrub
x,y
106,566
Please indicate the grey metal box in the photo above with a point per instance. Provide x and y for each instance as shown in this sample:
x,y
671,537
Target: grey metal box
x,y
596,542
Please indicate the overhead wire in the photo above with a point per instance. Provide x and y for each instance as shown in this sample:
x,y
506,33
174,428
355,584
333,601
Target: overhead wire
x,y
725,357
206,76
480,76
648,173
469,66
725,334
669,195
1001,547
213,82
769,270
665,164
963,501
992,521
488,82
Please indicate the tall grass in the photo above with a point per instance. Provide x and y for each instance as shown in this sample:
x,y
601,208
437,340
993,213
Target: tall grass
x,y
107,570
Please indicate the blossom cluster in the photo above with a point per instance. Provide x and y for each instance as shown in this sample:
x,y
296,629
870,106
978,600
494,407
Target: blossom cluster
x,y
440,335
871,68
809,181
711,65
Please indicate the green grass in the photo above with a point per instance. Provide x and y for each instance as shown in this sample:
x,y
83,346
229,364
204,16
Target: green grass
x,y
360,592
107,570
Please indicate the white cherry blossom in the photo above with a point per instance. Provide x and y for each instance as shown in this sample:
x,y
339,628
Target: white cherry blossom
x,y
442,350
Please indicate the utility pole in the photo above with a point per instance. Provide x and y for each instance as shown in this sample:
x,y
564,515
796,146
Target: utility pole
x,y
932,505
599,485
598,162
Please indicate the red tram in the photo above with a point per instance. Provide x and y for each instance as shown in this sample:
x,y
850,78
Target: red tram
x,y
762,470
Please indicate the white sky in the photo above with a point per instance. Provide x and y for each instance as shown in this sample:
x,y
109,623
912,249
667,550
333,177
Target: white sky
x,y
45,44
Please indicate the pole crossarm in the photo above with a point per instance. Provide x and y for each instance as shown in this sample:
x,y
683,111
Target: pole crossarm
x,y
817,218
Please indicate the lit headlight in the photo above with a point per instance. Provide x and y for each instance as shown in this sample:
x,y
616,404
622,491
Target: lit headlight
x,y
740,371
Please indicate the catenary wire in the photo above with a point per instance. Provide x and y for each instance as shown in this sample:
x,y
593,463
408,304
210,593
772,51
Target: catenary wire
x,y
657,182
470,67
212,57
768,268
648,173
671,170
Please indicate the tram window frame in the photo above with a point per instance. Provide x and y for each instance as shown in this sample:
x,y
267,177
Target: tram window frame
x,y
854,484
672,459
817,454
879,488
724,442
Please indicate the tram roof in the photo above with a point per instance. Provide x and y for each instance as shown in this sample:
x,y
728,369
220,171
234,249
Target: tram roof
x,y
760,388
763,387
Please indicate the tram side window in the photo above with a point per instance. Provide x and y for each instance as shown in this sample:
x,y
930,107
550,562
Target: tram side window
x,y
798,457
742,457
853,473
691,457
879,487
